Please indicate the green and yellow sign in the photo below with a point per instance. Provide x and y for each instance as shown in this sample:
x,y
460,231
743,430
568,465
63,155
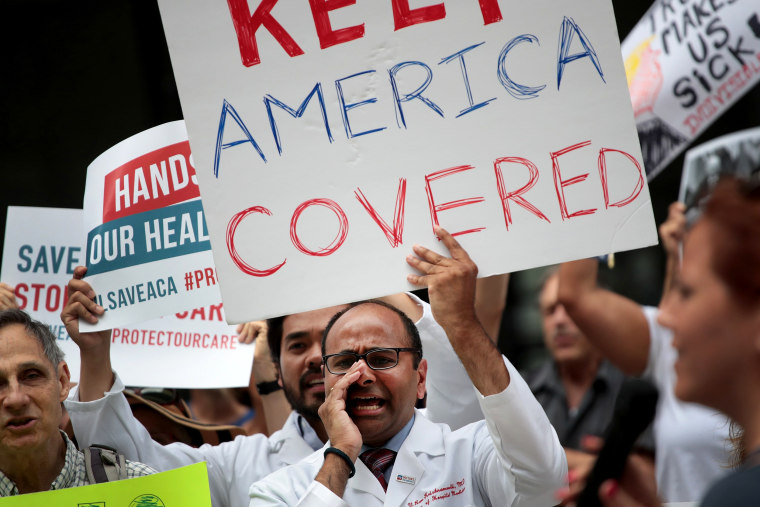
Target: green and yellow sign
x,y
183,487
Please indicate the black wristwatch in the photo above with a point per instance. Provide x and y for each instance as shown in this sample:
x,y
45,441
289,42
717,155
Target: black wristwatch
x,y
268,387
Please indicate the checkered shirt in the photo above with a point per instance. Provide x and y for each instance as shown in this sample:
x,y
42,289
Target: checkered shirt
x,y
73,473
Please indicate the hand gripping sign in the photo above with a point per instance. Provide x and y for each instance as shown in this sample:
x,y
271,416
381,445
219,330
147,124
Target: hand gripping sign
x,y
331,136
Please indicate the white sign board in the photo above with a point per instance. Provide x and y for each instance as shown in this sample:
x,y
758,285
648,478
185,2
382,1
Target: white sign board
x,y
330,137
687,63
192,349
42,247
148,252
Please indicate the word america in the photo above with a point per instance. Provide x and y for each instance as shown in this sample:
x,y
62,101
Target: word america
x,y
569,31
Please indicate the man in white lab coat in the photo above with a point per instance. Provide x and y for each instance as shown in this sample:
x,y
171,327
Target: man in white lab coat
x,y
100,413
381,451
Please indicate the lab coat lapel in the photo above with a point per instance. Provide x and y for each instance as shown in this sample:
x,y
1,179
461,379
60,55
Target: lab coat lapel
x,y
364,480
425,438
294,450
407,473
288,444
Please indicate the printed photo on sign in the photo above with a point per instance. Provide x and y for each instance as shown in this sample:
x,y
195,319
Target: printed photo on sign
x,y
329,140
736,154
147,252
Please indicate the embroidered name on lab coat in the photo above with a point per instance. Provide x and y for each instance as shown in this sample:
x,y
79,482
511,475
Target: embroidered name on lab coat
x,y
438,493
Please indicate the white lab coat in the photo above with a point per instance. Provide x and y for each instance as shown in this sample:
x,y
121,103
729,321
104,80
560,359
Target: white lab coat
x,y
234,466
512,458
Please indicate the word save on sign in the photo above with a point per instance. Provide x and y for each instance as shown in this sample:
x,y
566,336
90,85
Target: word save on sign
x,y
329,134
45,259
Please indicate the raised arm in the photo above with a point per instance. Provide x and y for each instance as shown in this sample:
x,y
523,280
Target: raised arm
x,y
273,402
672,232
490,301
522,447
100,414
96,376
615,324
451,287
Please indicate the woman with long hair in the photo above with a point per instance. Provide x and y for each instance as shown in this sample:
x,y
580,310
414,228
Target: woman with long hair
x,y
714,313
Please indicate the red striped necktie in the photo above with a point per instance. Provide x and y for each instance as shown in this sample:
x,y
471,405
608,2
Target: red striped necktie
x,y
378,460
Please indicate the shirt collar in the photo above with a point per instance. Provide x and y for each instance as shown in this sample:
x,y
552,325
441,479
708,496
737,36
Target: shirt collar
x,y
605,373
547,377
68,473
394,444
7,487
308,434
65,477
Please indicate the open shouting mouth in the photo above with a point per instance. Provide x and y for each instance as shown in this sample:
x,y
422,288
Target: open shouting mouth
x,y
365,404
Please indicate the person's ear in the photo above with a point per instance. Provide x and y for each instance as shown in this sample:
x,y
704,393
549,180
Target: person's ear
x,y
279,374
64,379
421,378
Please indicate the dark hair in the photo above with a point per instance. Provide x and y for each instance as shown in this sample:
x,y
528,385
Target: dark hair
x,y
274,337
37,330
734,210
412,334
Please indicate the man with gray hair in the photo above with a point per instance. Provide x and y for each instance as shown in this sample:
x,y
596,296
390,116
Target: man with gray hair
x,y
35,455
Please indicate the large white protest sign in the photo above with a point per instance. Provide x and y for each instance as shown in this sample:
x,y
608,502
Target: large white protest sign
x,y
148,251
42,247
687,63
192,349
330,137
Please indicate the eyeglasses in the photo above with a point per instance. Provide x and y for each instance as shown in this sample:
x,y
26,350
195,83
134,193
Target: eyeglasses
x,y
376,359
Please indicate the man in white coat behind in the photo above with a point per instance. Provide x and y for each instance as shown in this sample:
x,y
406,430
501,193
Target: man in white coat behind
x,y
381,451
